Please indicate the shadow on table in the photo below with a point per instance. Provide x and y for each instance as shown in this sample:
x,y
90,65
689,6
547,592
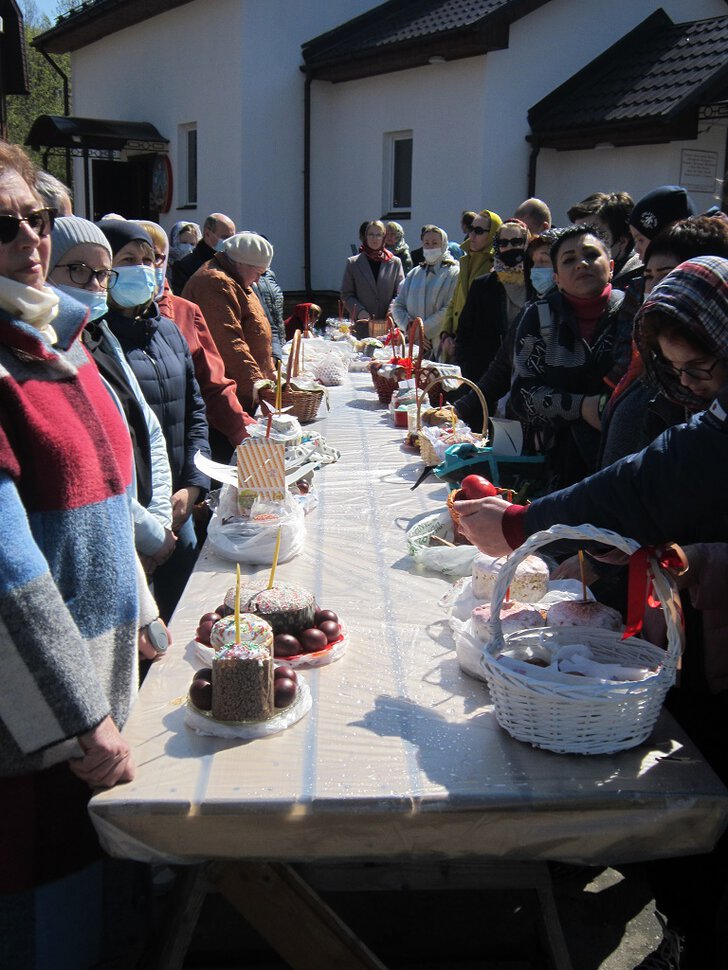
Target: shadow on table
x,y
372,405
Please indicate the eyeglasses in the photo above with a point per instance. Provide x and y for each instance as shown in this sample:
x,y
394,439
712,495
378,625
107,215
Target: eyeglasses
x,y
41,222
692,373
81,274
518,243
478,231
159,259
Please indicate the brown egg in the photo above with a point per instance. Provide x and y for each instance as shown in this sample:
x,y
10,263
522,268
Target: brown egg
x,y
201,694
286,645
284,692
322,616
330,629
313,640
285,670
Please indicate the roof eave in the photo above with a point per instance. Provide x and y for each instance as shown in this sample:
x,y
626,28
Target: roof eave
x,y
638,131
83,27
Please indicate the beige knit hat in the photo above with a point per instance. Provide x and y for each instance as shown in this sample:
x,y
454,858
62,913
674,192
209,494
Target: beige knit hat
x,y
70,231
249,248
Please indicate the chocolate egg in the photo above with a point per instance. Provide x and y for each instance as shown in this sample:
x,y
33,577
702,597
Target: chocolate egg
x,y
204,673
323,615
284,670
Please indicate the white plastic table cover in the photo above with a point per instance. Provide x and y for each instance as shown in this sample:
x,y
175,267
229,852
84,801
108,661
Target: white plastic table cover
x,y
401,755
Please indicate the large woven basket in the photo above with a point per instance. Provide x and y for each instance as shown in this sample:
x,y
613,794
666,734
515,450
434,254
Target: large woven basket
x,y
302,403
581,718
386,384
427,451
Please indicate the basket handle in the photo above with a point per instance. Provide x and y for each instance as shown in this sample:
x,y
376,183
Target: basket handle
x,y
463,380
417,330
664,584
292,368
396,335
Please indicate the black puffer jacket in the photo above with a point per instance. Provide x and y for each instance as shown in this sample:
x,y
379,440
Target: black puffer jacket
x,y
160,358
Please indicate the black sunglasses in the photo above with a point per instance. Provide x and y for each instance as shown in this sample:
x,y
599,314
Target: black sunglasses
x,y
479,231
518,243
41,222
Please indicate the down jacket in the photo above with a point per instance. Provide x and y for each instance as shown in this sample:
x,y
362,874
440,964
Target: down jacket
x,y
160,358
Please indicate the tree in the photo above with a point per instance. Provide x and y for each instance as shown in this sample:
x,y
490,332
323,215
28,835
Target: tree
x,y
46,85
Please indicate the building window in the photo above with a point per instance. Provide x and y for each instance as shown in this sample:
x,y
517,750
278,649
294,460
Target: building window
x,y
398,173
187,166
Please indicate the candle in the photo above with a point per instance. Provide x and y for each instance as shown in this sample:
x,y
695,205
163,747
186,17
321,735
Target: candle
x,y
278,387
275,557
581,570
237,602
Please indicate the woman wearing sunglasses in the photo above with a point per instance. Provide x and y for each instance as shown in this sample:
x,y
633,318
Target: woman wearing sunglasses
x,y
494,301
69,587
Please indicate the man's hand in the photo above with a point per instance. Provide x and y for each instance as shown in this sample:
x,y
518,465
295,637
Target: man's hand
x,y
107,760
481,521
147,649
182,504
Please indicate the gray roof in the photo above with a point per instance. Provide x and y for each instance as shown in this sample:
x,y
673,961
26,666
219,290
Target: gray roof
x,y
405,33
648,87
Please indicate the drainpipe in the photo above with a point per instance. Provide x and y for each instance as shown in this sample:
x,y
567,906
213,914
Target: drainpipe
x,y
307,183
532,158
66,104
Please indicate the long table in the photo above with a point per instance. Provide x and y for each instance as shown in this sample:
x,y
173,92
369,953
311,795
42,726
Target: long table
x,y
400,757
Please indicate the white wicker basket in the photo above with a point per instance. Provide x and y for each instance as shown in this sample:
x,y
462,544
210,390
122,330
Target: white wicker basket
x,y
581,718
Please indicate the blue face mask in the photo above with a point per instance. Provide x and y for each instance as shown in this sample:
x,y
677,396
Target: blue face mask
x,y
159,277
542,279
94,300
220,245
135,286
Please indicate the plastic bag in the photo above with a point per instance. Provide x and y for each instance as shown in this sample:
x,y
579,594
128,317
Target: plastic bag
x,y
455,561
252,539
330,370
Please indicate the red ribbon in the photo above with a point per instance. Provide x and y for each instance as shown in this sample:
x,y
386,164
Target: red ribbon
x,y
640,585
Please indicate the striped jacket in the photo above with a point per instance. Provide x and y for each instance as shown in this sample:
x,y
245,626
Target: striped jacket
x,y
68,582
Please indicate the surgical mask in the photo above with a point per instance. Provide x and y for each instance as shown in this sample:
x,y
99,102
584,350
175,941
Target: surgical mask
x,y
431,255
159,277
220,245
179,251
93,300
542,279
134,287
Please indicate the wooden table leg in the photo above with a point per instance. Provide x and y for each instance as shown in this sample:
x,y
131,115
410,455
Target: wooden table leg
x,y
294,920
168,949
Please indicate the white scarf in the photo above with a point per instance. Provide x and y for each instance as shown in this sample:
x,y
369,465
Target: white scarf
x,y
35,307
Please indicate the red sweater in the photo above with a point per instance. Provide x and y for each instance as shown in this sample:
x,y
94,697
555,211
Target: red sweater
x,y
224,411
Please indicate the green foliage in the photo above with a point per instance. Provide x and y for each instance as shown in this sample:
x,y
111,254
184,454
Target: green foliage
x,y
46,85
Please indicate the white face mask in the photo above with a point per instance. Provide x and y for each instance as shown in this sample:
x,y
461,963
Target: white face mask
x,y
431,255
94,300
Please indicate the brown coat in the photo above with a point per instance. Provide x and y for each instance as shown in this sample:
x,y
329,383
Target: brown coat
x,y
238,325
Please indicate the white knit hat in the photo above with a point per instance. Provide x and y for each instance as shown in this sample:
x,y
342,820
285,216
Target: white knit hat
x,y
249,248
70,231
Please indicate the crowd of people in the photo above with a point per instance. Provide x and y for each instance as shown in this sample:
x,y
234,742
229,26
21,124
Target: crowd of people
x,y
124,351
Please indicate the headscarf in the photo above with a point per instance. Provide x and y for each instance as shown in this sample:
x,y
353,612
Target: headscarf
x,y
481,262
695,294
513,275
445,255
177,249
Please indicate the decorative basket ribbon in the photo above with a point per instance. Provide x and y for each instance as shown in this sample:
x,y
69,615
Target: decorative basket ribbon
x,y
641,583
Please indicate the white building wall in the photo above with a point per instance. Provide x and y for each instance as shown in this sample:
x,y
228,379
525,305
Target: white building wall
x,y
231,66
469,123
349,122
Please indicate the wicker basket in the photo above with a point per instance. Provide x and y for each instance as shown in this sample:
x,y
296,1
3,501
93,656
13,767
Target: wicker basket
x,y
429,455
581,718
386,385
378,328
303,403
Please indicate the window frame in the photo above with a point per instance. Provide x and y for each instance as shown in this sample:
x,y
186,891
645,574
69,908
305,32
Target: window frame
x,y
187,163
389,206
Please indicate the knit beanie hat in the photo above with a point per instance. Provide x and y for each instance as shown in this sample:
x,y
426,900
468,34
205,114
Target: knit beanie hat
x,y
248,248
119,232
660,208
70,231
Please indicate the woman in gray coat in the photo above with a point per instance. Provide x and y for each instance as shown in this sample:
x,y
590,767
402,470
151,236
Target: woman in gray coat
x,y
372,278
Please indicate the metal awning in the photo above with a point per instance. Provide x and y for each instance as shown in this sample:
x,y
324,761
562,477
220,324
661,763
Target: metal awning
x,y
94,134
